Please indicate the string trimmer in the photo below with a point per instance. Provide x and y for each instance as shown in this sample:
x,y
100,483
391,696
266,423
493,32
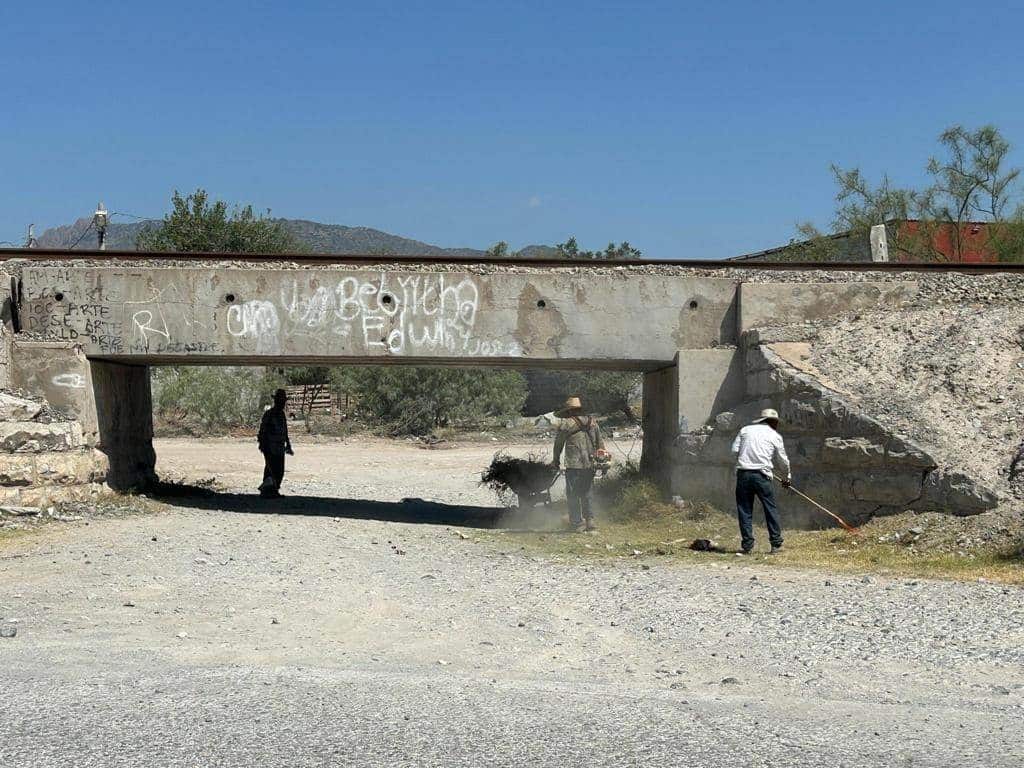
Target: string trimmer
x,y
831,514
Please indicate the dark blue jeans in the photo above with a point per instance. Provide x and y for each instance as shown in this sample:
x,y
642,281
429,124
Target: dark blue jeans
x,y
751,484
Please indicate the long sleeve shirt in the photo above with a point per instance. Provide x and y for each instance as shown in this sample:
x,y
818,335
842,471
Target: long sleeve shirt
x,y
759,447
575,442
273,435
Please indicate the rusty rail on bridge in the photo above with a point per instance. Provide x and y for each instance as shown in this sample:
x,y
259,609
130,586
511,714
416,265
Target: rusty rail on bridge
x,y
327,259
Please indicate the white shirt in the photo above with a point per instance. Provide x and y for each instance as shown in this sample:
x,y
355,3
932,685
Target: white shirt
x,y
757,447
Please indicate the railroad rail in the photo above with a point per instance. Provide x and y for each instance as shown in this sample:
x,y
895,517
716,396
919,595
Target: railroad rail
x,y
327,259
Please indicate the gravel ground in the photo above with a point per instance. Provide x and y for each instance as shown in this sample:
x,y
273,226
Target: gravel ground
x,y
232,632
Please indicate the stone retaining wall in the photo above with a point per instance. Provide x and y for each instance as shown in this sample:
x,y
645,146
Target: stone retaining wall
x,y
841,456
43,461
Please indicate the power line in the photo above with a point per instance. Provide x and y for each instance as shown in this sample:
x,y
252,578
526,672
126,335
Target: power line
x,y
84,233
131,215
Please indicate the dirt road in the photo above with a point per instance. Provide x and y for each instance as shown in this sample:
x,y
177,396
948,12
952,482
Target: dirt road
x,y
225,631
359,468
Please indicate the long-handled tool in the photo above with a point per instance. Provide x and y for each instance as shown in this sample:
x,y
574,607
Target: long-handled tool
x,y
833,515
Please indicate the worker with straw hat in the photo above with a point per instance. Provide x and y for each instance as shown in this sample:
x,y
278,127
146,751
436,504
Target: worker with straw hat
x,y
758,447
580,437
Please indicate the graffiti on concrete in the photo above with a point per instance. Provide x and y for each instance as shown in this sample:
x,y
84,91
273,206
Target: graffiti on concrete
x,y
69,380
330,313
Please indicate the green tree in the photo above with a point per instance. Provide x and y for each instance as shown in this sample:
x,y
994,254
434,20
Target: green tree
x,y
970,182
213,397
415,400
602,391
499,250
196,225
570,250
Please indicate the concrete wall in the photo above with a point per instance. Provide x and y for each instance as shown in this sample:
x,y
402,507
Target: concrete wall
x,y
6,330
58,372
841,456
660,422
709,380
762,305
164,315
124,411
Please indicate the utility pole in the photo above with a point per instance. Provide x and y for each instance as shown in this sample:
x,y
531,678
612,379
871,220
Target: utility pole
x,y
100,220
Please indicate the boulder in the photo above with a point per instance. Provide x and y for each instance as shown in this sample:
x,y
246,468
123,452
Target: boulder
x,y
16,469
956,493
66,468
726,421
30,437
13,408
897,489
852,452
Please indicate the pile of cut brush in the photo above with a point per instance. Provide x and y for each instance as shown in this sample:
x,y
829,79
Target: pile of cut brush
x,y
530,478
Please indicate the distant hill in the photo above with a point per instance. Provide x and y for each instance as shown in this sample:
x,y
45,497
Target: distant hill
x,y
319,238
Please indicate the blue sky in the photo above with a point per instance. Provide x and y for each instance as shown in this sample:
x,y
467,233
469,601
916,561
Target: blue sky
x,y
694,130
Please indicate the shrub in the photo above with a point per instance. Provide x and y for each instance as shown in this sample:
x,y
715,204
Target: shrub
x,y
212,397
417,400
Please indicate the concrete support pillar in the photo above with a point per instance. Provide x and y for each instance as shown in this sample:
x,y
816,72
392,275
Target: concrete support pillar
x,y
879,243
660,424
124,413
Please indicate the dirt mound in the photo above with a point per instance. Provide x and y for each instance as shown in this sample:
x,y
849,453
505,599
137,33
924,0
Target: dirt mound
x,y
947,372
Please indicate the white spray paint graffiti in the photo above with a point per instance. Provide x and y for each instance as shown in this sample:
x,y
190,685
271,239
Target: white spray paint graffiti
x,y
142,325
256,320
70,380
408,314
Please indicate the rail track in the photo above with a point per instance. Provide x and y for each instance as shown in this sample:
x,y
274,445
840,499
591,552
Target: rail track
x,y
62,255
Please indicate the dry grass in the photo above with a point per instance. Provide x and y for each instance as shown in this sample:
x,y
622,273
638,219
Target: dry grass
x,y
637,525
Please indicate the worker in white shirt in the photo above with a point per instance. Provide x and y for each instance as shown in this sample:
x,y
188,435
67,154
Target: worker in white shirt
x,y
758,447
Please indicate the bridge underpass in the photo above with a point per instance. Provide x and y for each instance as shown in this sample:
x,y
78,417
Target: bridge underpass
x,y
705,343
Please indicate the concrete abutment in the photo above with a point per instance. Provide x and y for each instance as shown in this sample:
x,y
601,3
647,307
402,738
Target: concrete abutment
x,y
124,415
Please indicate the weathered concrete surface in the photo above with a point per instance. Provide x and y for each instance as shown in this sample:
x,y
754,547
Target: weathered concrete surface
x,y
58,372
171,314
660,422
124,411
767,304
709,381
6,329
841,456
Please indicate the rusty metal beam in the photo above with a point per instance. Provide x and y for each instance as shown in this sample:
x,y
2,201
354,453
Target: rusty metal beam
x,y
327,259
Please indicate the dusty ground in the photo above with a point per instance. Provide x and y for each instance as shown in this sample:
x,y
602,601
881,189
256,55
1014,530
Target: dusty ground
x,y
362,467
232,632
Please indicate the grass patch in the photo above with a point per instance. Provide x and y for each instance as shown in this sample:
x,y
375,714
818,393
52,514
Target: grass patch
x,y
635,524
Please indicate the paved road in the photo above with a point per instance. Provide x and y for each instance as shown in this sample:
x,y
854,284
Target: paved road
x,y
198,637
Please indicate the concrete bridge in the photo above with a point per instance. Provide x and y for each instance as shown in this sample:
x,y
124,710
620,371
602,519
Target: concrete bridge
x,y
85,335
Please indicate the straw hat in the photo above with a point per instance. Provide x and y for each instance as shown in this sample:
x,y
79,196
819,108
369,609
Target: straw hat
x,y
768,414
572,405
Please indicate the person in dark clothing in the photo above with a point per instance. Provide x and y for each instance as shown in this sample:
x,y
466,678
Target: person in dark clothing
x,y
274,444
580,438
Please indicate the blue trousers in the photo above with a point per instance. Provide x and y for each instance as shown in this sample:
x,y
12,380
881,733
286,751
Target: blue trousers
x,y
751,484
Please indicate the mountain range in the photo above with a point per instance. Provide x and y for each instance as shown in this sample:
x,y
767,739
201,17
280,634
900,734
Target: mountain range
x,y
319,238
